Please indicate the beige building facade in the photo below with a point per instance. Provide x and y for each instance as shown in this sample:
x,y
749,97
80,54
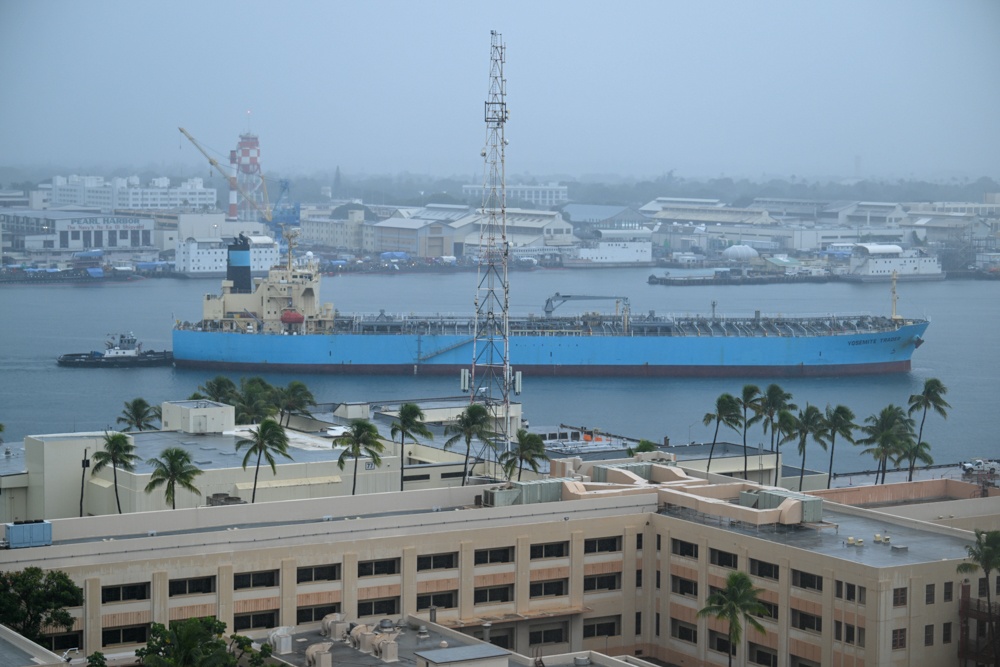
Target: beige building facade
x,y
615,557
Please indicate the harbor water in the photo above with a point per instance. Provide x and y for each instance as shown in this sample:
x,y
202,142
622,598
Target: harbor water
x,y
40,322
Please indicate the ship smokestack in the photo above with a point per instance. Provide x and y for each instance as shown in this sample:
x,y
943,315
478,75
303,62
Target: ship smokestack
x,y
238,265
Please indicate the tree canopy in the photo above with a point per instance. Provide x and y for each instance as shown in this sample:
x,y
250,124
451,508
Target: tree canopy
x,y
33,599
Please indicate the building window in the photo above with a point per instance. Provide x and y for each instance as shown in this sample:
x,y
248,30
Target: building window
x,y
682,548
551,550
195,586
848,633
658,542
437,562
657,580
718,641
638,622
722,558
609,626
379,607
502,555
928,635
949,591
761,655
547,634
638,542
770,610
899,597
683,631
551,588
377,568
983,587
603,582
929,594
656,630
442,600
808,622
318,573
638,578
124,593
602,545
262,579
682,586
946,633
763,569
63,641
256,621
316,613
493,594
806,580
899,638
130,634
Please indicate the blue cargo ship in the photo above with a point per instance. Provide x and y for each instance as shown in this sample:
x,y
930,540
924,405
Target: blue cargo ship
x,y
279,324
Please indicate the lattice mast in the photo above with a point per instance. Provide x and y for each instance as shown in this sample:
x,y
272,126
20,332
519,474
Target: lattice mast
x,y
491,374
245,160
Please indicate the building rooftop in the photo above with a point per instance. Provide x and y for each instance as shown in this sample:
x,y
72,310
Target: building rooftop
x,y
832,537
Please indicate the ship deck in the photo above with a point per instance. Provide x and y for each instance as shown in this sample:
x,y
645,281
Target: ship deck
x,y
605,325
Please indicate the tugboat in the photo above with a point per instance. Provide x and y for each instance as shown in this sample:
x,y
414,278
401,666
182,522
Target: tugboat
x,y
120,351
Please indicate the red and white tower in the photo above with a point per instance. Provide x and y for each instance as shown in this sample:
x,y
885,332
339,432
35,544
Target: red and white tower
x,y
245,160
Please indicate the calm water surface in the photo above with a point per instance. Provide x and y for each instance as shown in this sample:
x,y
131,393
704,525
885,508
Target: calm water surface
x,y
38,323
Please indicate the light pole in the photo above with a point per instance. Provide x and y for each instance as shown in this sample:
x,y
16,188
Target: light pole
x,y
690,441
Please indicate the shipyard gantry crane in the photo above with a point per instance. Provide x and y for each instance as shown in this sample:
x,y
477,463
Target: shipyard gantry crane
x,y
234,186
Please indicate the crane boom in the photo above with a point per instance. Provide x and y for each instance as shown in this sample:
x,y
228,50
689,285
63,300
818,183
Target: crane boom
x,y
231,177
558,299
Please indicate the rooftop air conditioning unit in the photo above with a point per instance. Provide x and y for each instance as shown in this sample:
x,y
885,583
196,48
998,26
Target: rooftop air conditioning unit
x,y
314,651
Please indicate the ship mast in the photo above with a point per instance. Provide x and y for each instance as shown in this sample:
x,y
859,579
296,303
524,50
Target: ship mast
x,y
491,375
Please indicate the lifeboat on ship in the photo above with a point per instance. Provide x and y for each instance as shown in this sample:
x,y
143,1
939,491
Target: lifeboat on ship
x,y
289,316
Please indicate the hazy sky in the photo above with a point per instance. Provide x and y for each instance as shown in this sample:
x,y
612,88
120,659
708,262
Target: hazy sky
x,y
903,88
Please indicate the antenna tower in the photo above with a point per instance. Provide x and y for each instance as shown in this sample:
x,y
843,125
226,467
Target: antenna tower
x,y
491,375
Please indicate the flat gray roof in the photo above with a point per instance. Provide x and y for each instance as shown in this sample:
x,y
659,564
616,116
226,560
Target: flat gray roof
x,y
831,538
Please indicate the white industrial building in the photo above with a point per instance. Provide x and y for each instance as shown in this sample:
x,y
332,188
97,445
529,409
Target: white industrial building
x,y
95,191
51,237
207,257
550,194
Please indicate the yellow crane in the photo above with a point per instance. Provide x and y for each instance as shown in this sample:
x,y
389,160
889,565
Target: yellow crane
x,y
230,176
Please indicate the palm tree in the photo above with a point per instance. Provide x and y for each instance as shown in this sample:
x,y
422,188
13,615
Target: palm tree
x,y
772,402
734,604
473,423
295,398
809,423
269,439
118,452
984,555
643,446
727,411
931,398
219,389
838,421
253,401
529,449
173,469
886,431
362,438
912,451
138,415
409,423
749,401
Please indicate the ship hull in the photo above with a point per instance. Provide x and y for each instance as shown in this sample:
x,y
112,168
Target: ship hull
x,y
558,355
